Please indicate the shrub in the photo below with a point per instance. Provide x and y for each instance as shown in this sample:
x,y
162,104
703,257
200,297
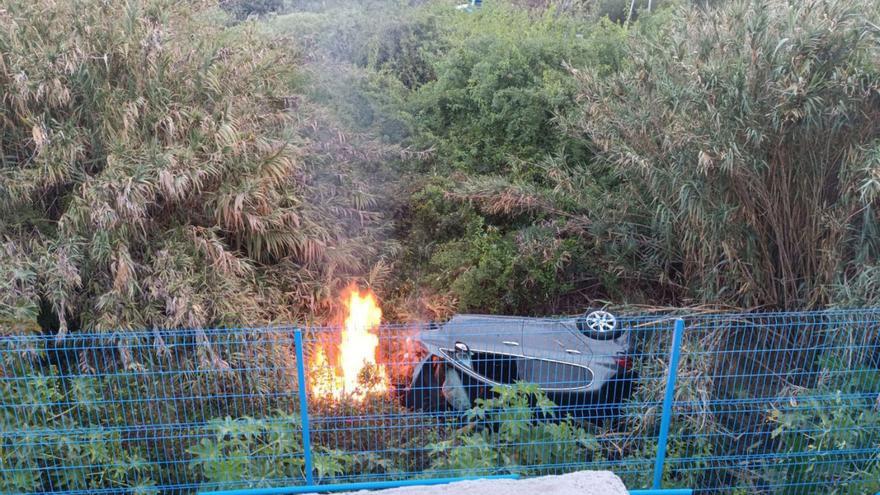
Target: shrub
x,y
175,179
242,9
829,423
382,36
746,138
53,440
503,234
504,274
500,85
252,452
512,430
132,425
404,48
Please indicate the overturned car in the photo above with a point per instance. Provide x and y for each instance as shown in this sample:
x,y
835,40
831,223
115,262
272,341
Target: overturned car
x,y
581,363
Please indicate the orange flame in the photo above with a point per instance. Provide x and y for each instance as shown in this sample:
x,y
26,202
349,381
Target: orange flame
x,y
355,372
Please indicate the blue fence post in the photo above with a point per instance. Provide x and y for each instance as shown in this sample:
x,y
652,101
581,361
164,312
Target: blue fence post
x,y
303,405
666,417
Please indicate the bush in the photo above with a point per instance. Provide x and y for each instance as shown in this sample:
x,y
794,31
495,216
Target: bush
x,y
503,233
176,180
500,85
404,48
508,247
830,423
53,440
261,451
512,430
383,36
506,274
746,138
135,423
242,9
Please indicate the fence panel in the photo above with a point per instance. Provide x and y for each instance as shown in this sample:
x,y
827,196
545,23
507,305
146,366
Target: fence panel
x,y
440,418
149,412
778,403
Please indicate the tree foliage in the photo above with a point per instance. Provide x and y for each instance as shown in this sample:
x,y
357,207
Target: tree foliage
x,y
689,166
501,83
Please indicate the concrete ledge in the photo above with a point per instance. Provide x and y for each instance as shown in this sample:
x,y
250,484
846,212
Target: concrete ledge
x,y
579,483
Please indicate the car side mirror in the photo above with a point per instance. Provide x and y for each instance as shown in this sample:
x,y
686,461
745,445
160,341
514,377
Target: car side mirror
x,y
463,354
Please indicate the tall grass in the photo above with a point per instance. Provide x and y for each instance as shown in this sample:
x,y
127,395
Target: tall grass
x,y
160,169
747,137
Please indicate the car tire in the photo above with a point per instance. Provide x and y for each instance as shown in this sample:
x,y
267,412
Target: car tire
x,y
595,325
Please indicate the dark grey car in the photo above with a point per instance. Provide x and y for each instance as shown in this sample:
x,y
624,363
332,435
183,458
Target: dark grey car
x,y
581,363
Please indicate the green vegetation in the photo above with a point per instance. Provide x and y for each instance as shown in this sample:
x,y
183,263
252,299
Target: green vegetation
x,y
520,161
497,91
250,449
159,170
42,432
187,164
746,138
242,9
103,411
512,431
845,422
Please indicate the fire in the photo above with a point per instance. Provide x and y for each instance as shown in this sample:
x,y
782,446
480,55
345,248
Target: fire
x,y
355,370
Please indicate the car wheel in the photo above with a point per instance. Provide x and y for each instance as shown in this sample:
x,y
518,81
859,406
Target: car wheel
x,y
599,325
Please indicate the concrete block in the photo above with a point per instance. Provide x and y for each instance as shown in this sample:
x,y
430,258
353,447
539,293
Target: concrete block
x,y
579,483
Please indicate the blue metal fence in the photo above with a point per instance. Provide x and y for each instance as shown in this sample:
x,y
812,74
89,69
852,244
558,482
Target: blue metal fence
x,y
771,403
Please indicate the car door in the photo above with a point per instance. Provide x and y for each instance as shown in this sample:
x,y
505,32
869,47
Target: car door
x,y
557,356
494,344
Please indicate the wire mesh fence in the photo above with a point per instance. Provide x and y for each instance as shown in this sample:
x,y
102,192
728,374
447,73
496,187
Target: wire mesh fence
x,y
458,405
783,403
148,412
